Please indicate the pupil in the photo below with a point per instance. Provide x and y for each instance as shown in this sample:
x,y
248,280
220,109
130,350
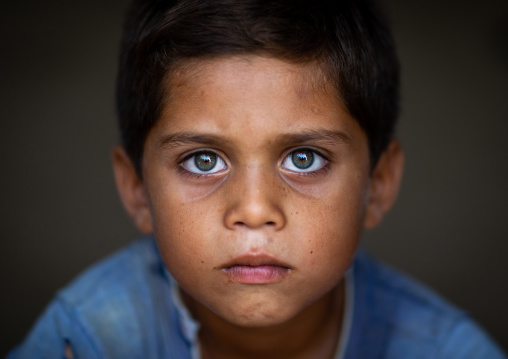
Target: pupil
x,y
205,161
303,159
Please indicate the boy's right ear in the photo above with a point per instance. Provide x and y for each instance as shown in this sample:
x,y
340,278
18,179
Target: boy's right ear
x,y
131,189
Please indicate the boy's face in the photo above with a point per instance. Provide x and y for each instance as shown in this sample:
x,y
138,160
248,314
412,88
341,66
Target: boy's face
x,y
256,186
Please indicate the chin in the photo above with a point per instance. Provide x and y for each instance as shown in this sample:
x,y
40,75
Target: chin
x,y
257,316
257,321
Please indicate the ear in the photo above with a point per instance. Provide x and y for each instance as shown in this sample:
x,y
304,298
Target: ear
x,y
384,184
131,190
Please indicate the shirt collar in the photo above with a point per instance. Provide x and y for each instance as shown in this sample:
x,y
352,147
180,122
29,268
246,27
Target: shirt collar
x,y
188,325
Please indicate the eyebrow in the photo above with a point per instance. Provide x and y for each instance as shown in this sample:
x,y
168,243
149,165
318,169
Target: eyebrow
x,y
320,135
184,138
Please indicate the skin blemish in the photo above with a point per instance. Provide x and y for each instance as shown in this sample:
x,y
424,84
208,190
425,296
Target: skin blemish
x,y
316,110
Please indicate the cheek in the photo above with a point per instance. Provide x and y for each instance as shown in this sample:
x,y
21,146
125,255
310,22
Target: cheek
x,y
333,225
182,230
173,206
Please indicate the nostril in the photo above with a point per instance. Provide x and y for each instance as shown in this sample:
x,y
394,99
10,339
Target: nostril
x,y
240,223
246,214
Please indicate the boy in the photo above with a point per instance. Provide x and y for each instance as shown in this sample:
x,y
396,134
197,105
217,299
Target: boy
x,y
257,144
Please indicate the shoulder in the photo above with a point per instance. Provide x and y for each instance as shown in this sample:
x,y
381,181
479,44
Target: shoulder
x,y
403,318
114,275
399,294
120,307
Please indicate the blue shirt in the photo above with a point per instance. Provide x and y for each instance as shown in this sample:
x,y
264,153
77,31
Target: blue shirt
x,y
126,307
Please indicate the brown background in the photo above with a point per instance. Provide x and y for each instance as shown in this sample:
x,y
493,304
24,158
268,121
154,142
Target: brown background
x,y
59,210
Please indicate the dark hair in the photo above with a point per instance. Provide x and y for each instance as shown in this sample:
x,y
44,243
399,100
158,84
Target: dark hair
x,y
350,39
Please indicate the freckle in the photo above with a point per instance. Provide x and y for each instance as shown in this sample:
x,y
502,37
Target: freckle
x,y
311,252
202,262
297,212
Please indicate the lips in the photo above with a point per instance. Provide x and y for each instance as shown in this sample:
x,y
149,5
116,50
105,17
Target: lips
x,y
256,269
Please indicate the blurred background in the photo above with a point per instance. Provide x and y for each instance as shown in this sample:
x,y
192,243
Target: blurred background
x,y
59,210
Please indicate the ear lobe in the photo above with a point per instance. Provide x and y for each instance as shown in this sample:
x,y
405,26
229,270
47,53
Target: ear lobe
x,y
131,190
384,184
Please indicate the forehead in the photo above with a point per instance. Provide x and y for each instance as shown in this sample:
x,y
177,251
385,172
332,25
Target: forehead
x,y
262,96
300,80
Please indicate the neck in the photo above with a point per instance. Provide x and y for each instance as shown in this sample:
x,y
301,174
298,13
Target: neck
x,y
313,333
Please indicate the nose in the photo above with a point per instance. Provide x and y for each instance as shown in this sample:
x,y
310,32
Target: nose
x,y
255,201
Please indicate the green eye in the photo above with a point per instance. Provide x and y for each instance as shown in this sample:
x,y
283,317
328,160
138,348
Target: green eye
x,y
205,161
302,159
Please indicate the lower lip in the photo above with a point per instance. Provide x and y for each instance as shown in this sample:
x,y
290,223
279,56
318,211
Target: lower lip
x,y
264,274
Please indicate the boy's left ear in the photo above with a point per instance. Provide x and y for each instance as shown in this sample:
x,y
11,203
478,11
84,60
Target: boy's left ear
x,y
132,190
384,184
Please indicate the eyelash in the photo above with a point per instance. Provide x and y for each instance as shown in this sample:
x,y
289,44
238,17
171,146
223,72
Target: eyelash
x,y
322,169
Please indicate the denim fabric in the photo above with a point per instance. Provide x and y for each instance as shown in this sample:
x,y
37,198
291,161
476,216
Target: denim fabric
x,y
123,308
396,317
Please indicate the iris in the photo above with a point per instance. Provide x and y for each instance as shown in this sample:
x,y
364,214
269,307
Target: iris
x,y
302,159
205,161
